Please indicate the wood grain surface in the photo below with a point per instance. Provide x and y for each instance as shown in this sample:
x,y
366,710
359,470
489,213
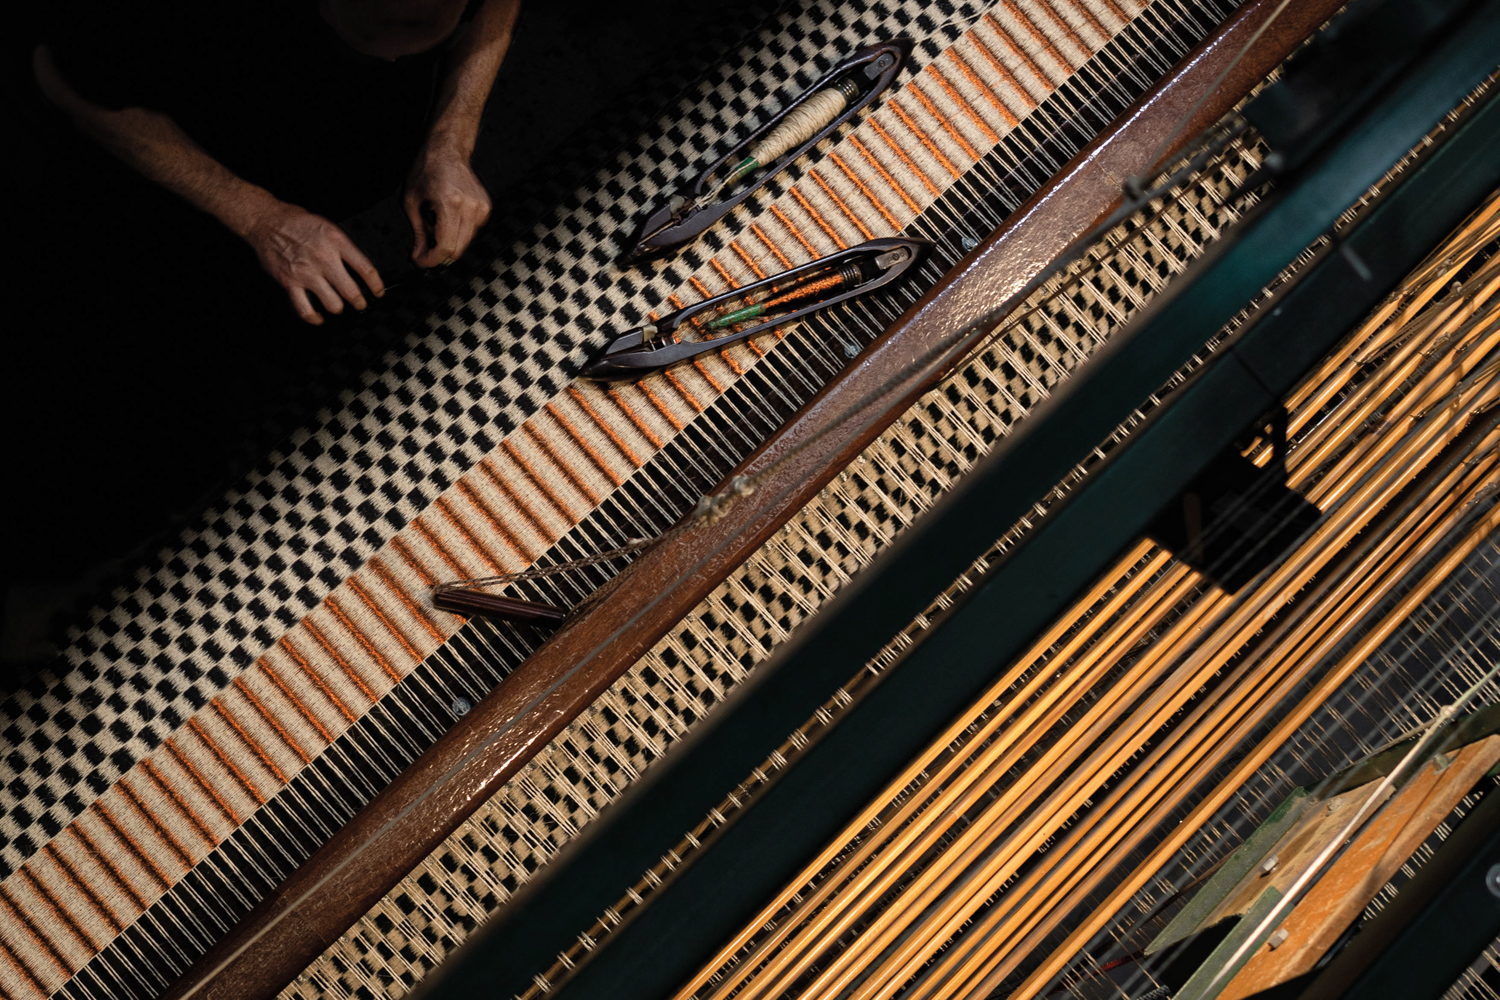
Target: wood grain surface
x,y
490,744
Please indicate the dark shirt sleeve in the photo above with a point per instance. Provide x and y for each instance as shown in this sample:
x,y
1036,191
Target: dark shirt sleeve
x,y
267,89
124,55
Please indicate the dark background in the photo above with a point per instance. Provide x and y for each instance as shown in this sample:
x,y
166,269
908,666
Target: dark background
x,y
148,360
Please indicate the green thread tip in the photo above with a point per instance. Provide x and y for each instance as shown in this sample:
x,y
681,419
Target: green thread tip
x,y
738,316
745,167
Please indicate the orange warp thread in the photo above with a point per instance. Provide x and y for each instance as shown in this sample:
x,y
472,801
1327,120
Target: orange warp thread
x,y
82,888
848,213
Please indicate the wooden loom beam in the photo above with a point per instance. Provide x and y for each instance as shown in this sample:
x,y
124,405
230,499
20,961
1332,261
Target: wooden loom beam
x,y
488,746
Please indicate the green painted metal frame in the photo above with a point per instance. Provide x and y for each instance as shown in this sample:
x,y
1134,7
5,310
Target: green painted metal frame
x,y
1189,920
1206,983
1244,860
1439,922
773,837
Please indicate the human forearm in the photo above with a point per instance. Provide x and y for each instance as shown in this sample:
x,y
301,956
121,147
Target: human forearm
x,y
310,257
157,148
442,181
472,65
305,253
153,145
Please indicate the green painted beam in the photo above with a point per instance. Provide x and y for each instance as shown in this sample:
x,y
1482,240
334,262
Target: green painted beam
x,y
772,838
1239,864
1420,943
1207,982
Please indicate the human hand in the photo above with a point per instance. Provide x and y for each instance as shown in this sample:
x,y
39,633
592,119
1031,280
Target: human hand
x,y
310,256
442,182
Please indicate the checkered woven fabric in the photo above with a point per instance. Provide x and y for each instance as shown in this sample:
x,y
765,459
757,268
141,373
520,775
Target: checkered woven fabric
x,y
893,482
217,721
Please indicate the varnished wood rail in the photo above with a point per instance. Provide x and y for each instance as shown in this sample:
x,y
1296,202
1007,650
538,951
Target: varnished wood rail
x,y
1395,485
489,745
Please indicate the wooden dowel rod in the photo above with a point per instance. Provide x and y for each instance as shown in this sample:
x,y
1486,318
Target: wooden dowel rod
x,y
472,761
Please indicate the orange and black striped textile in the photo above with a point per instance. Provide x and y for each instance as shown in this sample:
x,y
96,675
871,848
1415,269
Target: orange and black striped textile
x,y
218,718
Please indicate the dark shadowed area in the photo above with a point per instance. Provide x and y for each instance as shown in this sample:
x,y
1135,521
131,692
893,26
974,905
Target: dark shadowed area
x,y
150,363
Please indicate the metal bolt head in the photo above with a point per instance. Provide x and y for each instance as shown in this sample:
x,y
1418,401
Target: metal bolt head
x,y
461,705
1492,880
968,243
851,350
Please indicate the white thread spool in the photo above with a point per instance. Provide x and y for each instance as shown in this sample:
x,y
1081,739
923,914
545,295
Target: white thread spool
x,y
801,125
804,122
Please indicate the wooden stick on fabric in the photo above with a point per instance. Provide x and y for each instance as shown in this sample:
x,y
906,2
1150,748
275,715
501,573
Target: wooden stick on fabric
x,y
411,817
